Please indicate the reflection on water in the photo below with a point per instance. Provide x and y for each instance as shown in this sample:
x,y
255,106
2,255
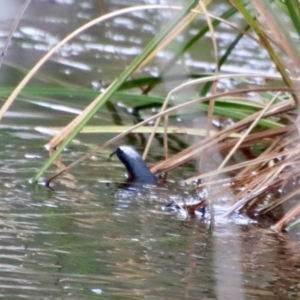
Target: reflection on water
x,y
85,239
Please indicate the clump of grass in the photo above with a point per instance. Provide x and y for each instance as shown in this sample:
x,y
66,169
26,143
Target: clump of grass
x,y
270,180
265,128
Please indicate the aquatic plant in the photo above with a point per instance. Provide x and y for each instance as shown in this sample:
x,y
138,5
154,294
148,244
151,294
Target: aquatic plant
x,y
255,149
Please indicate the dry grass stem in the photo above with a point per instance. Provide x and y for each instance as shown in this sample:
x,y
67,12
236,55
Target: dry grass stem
x,y
47,56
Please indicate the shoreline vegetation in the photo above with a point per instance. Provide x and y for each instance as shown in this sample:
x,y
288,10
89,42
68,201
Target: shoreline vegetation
x,y
262,109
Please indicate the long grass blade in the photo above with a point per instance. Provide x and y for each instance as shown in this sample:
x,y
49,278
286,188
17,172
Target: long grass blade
x,y
293,7
266,44
14,27
99,101
41,62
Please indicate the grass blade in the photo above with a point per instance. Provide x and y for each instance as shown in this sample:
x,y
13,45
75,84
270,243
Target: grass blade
x,y
99,101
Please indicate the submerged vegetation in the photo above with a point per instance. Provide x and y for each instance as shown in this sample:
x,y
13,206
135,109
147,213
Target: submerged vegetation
x,y
250,132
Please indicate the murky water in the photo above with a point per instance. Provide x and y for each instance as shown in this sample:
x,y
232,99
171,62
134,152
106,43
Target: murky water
x,y
85,239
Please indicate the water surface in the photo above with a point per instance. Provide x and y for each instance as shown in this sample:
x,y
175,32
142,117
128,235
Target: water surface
x,y
85,239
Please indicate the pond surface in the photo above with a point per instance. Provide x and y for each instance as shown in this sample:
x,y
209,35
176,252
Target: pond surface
x,y
85,239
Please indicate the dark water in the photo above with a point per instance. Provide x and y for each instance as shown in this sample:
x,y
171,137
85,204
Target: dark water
x,y
85,239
